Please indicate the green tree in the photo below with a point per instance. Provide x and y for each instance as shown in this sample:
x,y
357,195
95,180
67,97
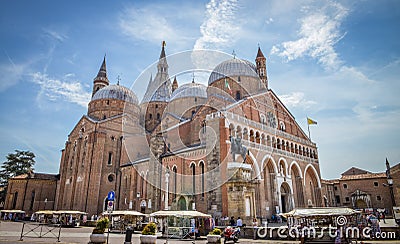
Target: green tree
x,y
20,162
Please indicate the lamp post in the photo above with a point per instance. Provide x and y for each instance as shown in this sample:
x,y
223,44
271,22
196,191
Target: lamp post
x,y
390,184
166,189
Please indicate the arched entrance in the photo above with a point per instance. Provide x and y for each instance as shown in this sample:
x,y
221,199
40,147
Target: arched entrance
x,y
285,197
182,203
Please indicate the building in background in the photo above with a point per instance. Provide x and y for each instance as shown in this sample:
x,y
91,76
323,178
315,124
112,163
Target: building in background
x,y
31,192
361,189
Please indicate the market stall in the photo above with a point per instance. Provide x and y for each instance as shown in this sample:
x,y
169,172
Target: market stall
x,y
179,224
121,219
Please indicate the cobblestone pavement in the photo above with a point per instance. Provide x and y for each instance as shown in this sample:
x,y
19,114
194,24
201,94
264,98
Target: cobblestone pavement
x,y
10,232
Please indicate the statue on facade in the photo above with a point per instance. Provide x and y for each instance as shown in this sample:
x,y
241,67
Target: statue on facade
x,y
237,147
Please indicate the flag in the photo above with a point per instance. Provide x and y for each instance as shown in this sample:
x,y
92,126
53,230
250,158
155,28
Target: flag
x,y
227,85
311,122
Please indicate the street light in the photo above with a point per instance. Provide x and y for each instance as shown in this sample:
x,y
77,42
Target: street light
x,y
166,189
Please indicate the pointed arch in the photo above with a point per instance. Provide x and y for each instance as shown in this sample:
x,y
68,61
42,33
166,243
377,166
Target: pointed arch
x,y
285,168
297,166
269,157
315,174
255,165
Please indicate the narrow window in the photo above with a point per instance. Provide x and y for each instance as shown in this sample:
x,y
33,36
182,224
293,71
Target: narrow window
x,y
158,116
14,205
109,158
202,178
150,116
378,198
376,183
175,181
194,178
345,186
32,200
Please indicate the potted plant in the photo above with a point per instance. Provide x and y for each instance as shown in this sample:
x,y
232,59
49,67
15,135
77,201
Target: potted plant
x,y
148,235
98,235
214,236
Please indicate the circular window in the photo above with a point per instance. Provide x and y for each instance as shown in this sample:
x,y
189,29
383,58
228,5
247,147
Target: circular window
x,y
110,178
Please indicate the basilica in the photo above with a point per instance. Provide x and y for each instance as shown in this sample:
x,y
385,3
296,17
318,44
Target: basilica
x,y
231,148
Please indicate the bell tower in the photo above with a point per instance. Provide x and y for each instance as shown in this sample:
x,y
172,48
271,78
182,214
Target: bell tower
x,y
101,79
262,67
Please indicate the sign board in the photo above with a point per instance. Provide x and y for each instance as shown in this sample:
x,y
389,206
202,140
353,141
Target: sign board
x,y
110,206
111,196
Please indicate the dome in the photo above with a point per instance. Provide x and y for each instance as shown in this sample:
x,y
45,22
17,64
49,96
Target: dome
x,y
231,68
190,90
116,92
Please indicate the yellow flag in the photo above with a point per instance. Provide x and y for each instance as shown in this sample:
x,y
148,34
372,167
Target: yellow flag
x,y
311,122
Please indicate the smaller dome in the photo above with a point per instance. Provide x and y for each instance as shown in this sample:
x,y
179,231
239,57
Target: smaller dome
x,y
231,68
190,90
116,92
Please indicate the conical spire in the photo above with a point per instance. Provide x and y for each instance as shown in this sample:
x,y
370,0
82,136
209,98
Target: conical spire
x,y
159,89
103,70
174,84
101,79
162,54
259,53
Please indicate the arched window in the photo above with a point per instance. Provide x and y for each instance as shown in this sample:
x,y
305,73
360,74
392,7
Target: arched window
x,y
150,116
193,166
202,178
158,116
142,185
174,169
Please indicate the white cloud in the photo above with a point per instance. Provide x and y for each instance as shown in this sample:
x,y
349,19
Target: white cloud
x,y
11,75
57,35
269,21
220,25
55,90
318,34
296,99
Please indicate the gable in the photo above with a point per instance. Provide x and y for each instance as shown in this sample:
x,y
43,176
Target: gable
x,y
355,171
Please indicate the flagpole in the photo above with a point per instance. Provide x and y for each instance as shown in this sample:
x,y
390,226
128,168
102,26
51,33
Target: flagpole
x,y
308,127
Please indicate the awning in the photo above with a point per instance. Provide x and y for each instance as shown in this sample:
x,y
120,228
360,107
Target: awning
x,y
12,211
191,213
313,212
69,212
124,212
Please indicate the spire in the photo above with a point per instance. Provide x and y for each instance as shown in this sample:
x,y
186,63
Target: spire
x,y
261,66
101,79
174,84
162,55
103,70
259,53
159,88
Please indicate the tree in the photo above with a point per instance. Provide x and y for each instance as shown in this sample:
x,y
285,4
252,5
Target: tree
x,y
20,162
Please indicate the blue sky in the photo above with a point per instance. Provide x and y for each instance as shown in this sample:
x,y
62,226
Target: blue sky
x,y
337,62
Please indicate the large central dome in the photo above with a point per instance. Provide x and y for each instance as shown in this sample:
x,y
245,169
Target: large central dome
x,y
231,68
190,90
116,92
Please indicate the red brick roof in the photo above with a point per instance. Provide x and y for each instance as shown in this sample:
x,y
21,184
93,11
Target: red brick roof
x,y
39,176
363,176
